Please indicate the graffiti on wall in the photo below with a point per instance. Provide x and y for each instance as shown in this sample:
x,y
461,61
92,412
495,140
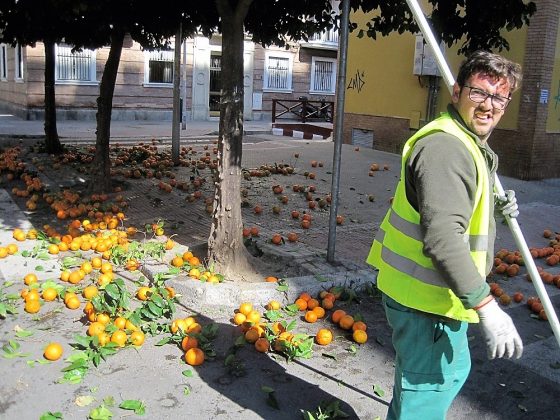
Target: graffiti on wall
x,y
357,81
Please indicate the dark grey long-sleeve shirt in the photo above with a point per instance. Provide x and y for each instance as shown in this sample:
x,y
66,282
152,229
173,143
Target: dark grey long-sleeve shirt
x,y
440,180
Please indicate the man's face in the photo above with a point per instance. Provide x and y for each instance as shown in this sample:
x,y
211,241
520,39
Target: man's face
x,y
480,118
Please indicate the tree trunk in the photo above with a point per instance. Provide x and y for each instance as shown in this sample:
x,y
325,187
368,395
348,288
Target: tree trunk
x,y
101,175
52,142
226,249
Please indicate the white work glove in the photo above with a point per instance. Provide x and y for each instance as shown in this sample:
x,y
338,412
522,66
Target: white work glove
x,y
501,336
507,204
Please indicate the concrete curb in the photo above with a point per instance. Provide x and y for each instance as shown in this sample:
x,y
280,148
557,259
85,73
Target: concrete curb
x,y
296,134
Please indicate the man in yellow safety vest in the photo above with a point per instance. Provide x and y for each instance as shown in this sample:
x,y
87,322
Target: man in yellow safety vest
x,y
434,247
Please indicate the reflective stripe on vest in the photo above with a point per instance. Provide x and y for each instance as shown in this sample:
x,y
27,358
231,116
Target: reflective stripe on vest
x,y
405,273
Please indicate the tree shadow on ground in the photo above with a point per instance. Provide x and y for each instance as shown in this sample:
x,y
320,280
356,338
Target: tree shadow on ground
x,y
250,374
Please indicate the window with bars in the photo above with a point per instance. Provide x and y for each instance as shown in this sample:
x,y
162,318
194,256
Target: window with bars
x,y
76,66
3,62
159,67
323,75
278,72
19,62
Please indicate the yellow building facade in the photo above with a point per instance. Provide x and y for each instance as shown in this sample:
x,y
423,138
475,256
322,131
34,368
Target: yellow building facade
x,y
387,99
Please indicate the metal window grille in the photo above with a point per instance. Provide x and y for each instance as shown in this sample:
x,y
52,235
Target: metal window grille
x,y
160,66
19,62
3,62
330,36
73,66
278,72
215,81
323,76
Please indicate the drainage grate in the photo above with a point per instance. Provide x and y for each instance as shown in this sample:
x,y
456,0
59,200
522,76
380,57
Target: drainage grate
x,y
361,137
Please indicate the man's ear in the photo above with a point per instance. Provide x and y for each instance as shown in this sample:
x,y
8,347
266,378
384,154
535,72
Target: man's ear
x,y
456,93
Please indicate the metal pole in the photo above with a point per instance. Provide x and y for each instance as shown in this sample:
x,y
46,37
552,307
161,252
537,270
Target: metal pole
x,y
512,223
339,117
175,133
184,87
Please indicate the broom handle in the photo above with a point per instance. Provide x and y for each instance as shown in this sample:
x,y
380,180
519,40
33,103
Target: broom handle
x,y
512,222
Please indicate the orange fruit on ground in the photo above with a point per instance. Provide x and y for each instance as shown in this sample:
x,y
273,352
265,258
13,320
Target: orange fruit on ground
x,y
194,356
32,294
3,252
65,275
103,280
95,328
337,315
103,338
106,267
194,273
69,295
189,321
245,308
193,261
273,305
324,337
177,262
53,249
319,311
12,249
301,304
187,255
178,324
253,316
90,292
346,322
32,306
53,351
262,345
311,316
88,308
137,338
278,328
359,336
359,325
143,293
120,322
252,335
75,277
49,294
73,303
130,326
189,343
312,303
103,318
271,279
239,318
30,279
96,262
305,296
170,292
63,246
87,267
119,338
194,328
327,303
19,235
169,244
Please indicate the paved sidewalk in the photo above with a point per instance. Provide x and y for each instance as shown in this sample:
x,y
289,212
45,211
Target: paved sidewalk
x,y
501,389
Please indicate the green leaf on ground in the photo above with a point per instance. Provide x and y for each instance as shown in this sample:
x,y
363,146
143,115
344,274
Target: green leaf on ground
x,y
49,415
377,390
100,413
137,406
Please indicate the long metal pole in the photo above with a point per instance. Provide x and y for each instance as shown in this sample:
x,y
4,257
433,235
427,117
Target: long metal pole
x,y
512,222
339,117
175,131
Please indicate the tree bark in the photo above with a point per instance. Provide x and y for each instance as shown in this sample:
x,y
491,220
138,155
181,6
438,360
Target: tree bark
x,y
52,142
226,250
101,175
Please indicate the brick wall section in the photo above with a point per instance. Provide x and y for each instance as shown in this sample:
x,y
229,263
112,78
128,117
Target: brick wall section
x,y
531,153
389,133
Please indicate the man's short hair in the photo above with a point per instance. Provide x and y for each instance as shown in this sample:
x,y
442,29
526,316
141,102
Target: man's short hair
x,y
491,64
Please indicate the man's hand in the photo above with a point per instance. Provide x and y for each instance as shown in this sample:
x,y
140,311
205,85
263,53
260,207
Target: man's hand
x,y
501,336
507,204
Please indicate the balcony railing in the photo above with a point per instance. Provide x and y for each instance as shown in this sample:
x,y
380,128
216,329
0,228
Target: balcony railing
x,y
328,37
302,109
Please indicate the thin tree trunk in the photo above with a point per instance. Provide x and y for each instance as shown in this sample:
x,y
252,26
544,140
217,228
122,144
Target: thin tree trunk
x,y
52,142
101,176
225,244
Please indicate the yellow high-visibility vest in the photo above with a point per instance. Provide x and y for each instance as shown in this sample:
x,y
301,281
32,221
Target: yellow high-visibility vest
x,y
405,273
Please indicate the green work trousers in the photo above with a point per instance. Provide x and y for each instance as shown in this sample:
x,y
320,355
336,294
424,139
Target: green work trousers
x,y
432,362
